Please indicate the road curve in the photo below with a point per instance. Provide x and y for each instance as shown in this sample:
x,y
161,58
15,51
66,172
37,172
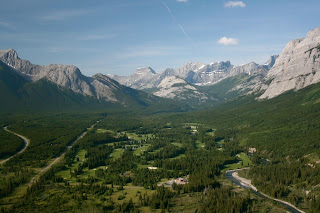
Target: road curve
x,y
61,156
245,183
26,144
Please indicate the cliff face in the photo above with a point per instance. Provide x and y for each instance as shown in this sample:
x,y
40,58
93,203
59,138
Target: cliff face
x,y
298,66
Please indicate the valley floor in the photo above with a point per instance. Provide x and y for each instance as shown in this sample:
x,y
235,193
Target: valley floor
x,y
155,163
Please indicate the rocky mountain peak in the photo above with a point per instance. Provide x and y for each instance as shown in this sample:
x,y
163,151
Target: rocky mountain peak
x,y
222,65
191,66
272,60
100,75
244,69
9,54
11,58
144,71
313,34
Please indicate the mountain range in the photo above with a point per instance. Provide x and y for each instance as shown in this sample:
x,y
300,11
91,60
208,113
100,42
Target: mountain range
x,y
25,86
184,83
297,66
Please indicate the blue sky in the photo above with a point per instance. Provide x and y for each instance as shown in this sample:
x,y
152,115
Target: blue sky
x,y
118,36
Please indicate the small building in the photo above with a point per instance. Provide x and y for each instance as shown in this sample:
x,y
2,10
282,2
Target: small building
x,y
252,150
181,181
152,168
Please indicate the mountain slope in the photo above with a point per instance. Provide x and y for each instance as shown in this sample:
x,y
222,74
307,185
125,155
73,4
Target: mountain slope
x,y
224,89
285,125
10,84
20,94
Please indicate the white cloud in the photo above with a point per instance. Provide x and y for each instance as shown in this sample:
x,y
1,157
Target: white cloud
x,y
228,41
182,0
235,4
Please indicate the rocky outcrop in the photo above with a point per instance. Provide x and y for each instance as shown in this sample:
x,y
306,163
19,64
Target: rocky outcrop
x,y
177,88
272,60
67,76
298,66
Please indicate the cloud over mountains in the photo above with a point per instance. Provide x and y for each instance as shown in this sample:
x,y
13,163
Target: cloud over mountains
x,y
228,41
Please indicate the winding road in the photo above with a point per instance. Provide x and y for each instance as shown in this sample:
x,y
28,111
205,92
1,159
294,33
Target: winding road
x,y
246,184
26,144
61,156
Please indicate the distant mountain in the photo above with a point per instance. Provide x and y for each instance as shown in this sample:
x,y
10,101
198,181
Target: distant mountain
x,y
177,88
164,84
142,78
53,87
269,64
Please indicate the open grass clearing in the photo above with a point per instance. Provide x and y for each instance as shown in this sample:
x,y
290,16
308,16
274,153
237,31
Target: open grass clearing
x,y
244,162
86,172
140,166
199,144
179,156
211,134
193,124
220,142
177,144
232,166
140,150
81,155
104,131
129,192
187,203
67,176
17,195
245,159
116,153
135,136
147,209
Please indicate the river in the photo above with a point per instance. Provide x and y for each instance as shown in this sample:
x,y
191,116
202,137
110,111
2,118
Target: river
x,y
230,175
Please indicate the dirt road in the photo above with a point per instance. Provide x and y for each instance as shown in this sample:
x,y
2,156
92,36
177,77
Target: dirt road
x,y
61,156
26,144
